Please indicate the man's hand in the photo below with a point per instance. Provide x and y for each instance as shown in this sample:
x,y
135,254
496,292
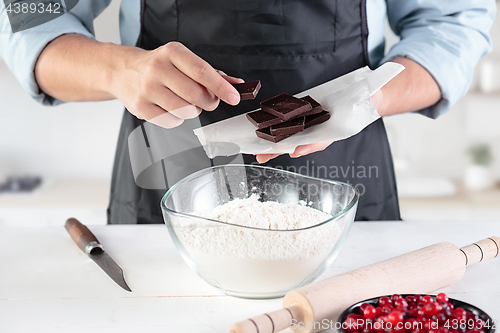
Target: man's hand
x,y
299,151
170,84
164,86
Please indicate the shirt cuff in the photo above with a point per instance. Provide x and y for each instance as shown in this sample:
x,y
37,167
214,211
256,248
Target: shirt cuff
x,y
22,49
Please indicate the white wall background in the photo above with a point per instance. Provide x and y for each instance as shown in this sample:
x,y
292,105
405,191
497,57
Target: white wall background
x,y
78,140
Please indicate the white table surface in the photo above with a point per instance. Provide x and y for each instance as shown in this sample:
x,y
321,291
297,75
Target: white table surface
x,y
48,285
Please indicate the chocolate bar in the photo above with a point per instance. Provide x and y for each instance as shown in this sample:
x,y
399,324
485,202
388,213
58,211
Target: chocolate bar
x,y
316,107
289,127
248,90
285,106
262,119
317,119
266,134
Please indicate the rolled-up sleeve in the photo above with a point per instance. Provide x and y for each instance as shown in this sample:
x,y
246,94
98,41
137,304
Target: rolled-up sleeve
x,y
21,50
446,37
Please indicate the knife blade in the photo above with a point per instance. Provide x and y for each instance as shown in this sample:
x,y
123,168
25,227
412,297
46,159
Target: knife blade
x,y
89,244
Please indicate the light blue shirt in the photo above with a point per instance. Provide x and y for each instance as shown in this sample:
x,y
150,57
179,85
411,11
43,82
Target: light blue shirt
x,y
447,37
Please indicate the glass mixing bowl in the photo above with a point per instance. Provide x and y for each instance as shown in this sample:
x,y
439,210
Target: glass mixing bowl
x,y
251,262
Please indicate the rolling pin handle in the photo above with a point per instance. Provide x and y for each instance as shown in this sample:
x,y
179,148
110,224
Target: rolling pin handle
x,y
272,322
480,251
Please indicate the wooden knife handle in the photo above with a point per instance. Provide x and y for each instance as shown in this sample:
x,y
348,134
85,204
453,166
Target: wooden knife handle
x,y
82,236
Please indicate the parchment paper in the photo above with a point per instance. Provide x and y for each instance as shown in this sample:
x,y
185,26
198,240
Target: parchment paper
x,y
347,98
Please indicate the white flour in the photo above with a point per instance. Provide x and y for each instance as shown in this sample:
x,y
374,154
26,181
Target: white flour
x,y
244,261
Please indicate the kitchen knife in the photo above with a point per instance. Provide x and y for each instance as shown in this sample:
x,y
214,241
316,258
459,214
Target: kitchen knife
x,y
89,244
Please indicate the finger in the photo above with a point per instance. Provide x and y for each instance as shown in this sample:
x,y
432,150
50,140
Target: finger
x,y
233,80
263,158
230,79
167,100
200,71
186,112
158,116
189,90
308,149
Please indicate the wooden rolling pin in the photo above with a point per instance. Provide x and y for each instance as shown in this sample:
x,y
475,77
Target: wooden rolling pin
x,y
417,272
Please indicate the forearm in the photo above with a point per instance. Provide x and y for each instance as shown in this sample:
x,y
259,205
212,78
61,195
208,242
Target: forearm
x,y
75,68
412,90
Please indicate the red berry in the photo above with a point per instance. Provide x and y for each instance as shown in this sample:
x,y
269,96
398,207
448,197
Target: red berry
x,y
441,298
369,311
439,317
362,307
460,313
395,317
410,299
411,324
401,304
351,322
395,297
427,299
384,301
451,306
417,298
379,325
413,313
431,309
380,311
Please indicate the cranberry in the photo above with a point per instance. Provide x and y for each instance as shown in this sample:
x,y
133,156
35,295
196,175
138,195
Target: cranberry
x,y
380,311
442,298
401,304
363,306
387,309
379,325
395,317
439,317
395,297
460,313
427,299
384,301
411,324
431,309
413,313
369,311
451,306
351,322
410,299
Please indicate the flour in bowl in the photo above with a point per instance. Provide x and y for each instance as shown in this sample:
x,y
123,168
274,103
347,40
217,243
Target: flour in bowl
x,y
271,215
274,258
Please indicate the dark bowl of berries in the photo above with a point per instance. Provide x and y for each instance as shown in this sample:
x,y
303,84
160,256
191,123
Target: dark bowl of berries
x,y
414,314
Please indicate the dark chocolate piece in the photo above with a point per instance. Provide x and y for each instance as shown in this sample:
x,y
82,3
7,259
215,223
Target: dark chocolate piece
x,y
289,127
248,90
285,106
262,119
317,119
266,134
316,107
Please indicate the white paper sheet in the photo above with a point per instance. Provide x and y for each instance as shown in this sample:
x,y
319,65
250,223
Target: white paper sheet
x,y
347,98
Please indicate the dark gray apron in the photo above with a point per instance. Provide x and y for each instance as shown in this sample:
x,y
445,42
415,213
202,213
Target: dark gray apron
x,y
291,46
